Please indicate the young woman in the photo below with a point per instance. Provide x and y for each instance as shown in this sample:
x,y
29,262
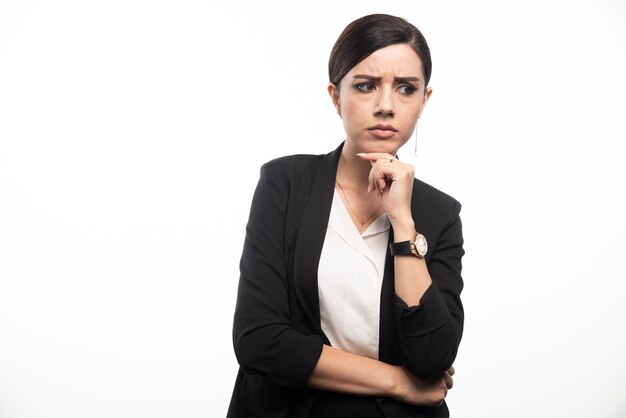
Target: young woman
x,y
349,294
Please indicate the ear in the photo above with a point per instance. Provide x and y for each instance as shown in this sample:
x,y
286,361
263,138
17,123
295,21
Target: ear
x,y
333,92
427,95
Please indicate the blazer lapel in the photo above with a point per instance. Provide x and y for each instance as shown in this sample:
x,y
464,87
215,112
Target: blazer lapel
x,y
311,235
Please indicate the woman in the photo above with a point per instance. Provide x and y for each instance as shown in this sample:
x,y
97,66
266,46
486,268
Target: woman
x,y
349,295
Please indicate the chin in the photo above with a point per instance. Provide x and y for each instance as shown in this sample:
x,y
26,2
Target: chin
x,y
384,146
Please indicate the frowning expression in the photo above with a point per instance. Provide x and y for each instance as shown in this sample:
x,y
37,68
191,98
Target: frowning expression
x,y
381,98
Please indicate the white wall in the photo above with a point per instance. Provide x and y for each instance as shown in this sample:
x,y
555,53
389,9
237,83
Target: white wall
x,y
131,135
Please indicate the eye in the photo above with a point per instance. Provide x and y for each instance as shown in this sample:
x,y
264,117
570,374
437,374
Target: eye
x,y
407,89
365,87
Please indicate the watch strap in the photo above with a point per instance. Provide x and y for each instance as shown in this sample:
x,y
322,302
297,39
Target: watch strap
x,y
401,248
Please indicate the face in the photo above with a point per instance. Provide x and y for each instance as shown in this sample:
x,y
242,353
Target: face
x,y
381,98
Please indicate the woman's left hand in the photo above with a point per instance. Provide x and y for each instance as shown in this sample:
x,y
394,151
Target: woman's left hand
x,y
393,181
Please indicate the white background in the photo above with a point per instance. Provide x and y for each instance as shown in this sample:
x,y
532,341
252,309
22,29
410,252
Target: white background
x,y
131,136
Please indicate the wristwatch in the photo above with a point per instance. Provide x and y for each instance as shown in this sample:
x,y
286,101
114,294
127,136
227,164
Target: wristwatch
x,y
416,246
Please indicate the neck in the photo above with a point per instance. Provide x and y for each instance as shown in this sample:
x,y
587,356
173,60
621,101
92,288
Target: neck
x,y
353,171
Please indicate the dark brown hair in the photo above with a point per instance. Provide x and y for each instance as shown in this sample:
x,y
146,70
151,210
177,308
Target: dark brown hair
x,y
370,33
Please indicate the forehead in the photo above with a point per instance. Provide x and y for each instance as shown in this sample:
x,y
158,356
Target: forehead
x,y
398,60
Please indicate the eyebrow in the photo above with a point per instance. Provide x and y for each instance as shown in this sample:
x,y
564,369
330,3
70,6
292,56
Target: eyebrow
x,y
398,79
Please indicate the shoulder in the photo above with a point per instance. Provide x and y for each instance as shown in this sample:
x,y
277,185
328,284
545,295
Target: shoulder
x,y
298,168
292,163
286,183
303,168
430,199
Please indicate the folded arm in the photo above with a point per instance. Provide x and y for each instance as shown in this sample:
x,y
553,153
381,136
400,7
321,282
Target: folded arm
x,y
428,308
265,341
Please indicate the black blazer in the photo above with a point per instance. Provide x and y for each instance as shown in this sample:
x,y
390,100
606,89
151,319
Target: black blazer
x,y
277,334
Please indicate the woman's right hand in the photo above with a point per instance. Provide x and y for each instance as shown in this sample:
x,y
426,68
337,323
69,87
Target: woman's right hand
x,y
429,392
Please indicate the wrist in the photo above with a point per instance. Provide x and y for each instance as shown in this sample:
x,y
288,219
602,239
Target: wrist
x,y
403,229
394,383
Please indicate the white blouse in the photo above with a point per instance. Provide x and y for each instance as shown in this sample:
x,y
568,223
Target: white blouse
x,y
350,276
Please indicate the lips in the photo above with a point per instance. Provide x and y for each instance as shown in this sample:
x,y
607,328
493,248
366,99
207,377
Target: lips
x,y
383,131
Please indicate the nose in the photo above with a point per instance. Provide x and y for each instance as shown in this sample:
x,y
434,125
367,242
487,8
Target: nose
x,y
384,106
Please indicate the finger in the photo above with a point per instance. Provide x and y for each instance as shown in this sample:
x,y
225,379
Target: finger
x,y
385,175
371,180
385,169
451,371
381,185
447,379
445,394
377,178
375,156
383,172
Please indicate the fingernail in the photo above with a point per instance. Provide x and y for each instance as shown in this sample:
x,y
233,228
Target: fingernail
x,y
360,153
369,189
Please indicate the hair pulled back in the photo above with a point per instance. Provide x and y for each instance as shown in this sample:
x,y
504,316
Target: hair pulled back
x,y
370,33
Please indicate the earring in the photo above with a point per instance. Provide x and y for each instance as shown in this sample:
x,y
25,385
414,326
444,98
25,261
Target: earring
x,y
416,137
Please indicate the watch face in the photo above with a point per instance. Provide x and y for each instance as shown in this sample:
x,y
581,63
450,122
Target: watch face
x,y
420,245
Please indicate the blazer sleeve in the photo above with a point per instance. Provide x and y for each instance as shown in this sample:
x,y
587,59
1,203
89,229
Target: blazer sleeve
x,y
264,338
429,333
